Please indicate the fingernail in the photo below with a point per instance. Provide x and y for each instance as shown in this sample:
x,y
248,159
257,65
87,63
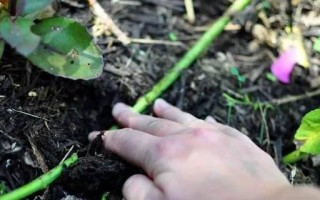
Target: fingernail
x,y
210,119
119,108
161,104
93,135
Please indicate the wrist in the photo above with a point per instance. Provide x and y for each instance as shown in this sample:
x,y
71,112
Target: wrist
x,y
295,193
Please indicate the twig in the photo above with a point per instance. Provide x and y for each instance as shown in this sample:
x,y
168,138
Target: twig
x,y
151,41
67,154
128,3
190,11
73,3
101,14
264,124
25,113
278,102
290,99
290,13
41,182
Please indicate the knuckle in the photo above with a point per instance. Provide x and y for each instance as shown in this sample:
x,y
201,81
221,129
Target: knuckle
x,y
209,136
129,120
153,123
234,133
125,131
169,149
201,133
194,123
163,148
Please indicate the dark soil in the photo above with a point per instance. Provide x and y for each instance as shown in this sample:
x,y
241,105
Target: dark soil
x,y
42,117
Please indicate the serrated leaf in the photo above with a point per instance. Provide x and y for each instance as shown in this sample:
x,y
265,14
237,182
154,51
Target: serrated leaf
x,y
26,7
17,33
310,126
66,49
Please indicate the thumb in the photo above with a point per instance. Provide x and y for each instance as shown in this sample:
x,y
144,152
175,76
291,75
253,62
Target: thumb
x,y
140,187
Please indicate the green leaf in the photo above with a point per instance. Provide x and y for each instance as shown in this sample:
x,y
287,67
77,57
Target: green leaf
x,y
66,49
172,36
241,79
316,45
271,77
18,34
310,126
312,145
266,5
3,188
309,135
234,71
26,7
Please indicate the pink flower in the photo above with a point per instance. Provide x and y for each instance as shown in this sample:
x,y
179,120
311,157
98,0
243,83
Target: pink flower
x,y
284,65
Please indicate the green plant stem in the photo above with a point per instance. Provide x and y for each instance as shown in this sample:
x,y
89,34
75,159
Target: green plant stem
x,y
229,114
294,157
197,50
41,182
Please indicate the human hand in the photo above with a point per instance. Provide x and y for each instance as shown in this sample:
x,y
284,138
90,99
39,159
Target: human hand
x,y
188,158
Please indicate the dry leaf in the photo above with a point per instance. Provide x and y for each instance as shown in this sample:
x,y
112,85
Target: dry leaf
x,y
264,35
294,39
311,19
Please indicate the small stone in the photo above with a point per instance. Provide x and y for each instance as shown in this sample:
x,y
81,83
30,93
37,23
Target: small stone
x,y
32,94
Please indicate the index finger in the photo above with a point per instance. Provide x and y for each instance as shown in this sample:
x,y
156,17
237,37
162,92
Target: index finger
x,y
148,124
167,111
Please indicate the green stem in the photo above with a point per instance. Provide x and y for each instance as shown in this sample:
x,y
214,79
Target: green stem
x,y
294,157
229,114
197,50
41,182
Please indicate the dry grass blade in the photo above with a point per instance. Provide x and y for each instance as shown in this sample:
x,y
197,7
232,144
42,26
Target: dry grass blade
x,y
109,24
190,11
